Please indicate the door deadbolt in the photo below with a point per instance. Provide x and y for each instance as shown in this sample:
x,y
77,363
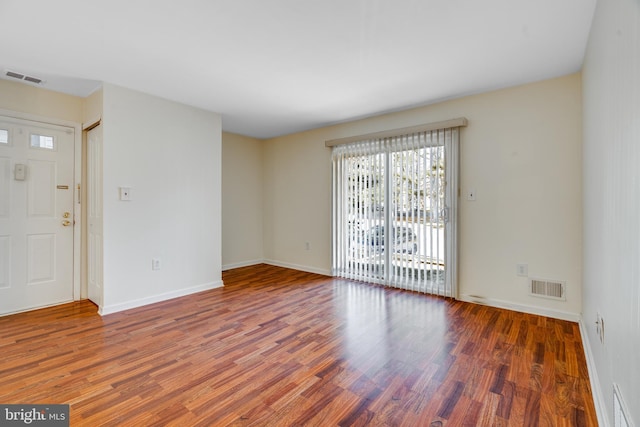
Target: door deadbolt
x,y
66,215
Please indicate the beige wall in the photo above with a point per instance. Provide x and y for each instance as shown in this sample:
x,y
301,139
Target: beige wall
x,y
521,153
297,201
92,108
612,203
242,170
169,154
36,101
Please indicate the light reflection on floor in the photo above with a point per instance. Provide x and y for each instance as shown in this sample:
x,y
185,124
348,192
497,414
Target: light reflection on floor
x,y
385,325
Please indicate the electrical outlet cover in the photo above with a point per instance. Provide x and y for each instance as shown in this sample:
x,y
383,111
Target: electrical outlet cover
x,y
125,193
522,270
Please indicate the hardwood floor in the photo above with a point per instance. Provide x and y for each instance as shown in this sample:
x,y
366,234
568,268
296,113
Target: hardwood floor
x,y
278,347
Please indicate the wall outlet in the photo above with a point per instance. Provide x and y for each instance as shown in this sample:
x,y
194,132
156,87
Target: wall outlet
x,y
522,270
155,264
125,194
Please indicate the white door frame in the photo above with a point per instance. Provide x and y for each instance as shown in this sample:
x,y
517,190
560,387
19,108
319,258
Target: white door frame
x,y
77,178
93,278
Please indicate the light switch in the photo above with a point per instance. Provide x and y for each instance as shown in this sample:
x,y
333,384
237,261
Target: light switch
x,y
125,193
471,195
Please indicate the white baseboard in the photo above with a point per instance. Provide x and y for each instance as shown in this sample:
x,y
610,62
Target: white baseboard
x,y
242,264
277,264
540,311
596,391
114,308
298,267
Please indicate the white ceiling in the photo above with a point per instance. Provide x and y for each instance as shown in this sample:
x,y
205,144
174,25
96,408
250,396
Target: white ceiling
x,y
273,67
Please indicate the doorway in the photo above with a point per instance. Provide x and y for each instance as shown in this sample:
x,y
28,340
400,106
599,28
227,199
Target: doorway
x,y
37,214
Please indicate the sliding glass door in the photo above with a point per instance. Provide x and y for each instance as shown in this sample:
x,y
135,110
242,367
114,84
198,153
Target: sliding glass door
x,y
394,217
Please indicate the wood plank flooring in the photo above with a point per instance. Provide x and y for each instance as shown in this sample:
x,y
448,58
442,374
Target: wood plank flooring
x,y
278,347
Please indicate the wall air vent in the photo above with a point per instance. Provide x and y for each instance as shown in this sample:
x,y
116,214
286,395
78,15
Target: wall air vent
x,y
553,289
23,77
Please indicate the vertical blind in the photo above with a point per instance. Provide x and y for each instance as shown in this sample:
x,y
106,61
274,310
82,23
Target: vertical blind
x,y
394,210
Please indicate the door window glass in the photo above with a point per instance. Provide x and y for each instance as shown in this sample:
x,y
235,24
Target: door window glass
x,y
42,141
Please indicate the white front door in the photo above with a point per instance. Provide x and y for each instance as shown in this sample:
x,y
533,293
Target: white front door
x,y
36,214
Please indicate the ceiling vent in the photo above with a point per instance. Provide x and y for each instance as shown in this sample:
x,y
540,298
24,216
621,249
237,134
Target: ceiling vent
x,y
23,77
553,289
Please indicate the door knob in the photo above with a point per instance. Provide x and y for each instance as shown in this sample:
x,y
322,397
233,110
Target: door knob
x,y
66,223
